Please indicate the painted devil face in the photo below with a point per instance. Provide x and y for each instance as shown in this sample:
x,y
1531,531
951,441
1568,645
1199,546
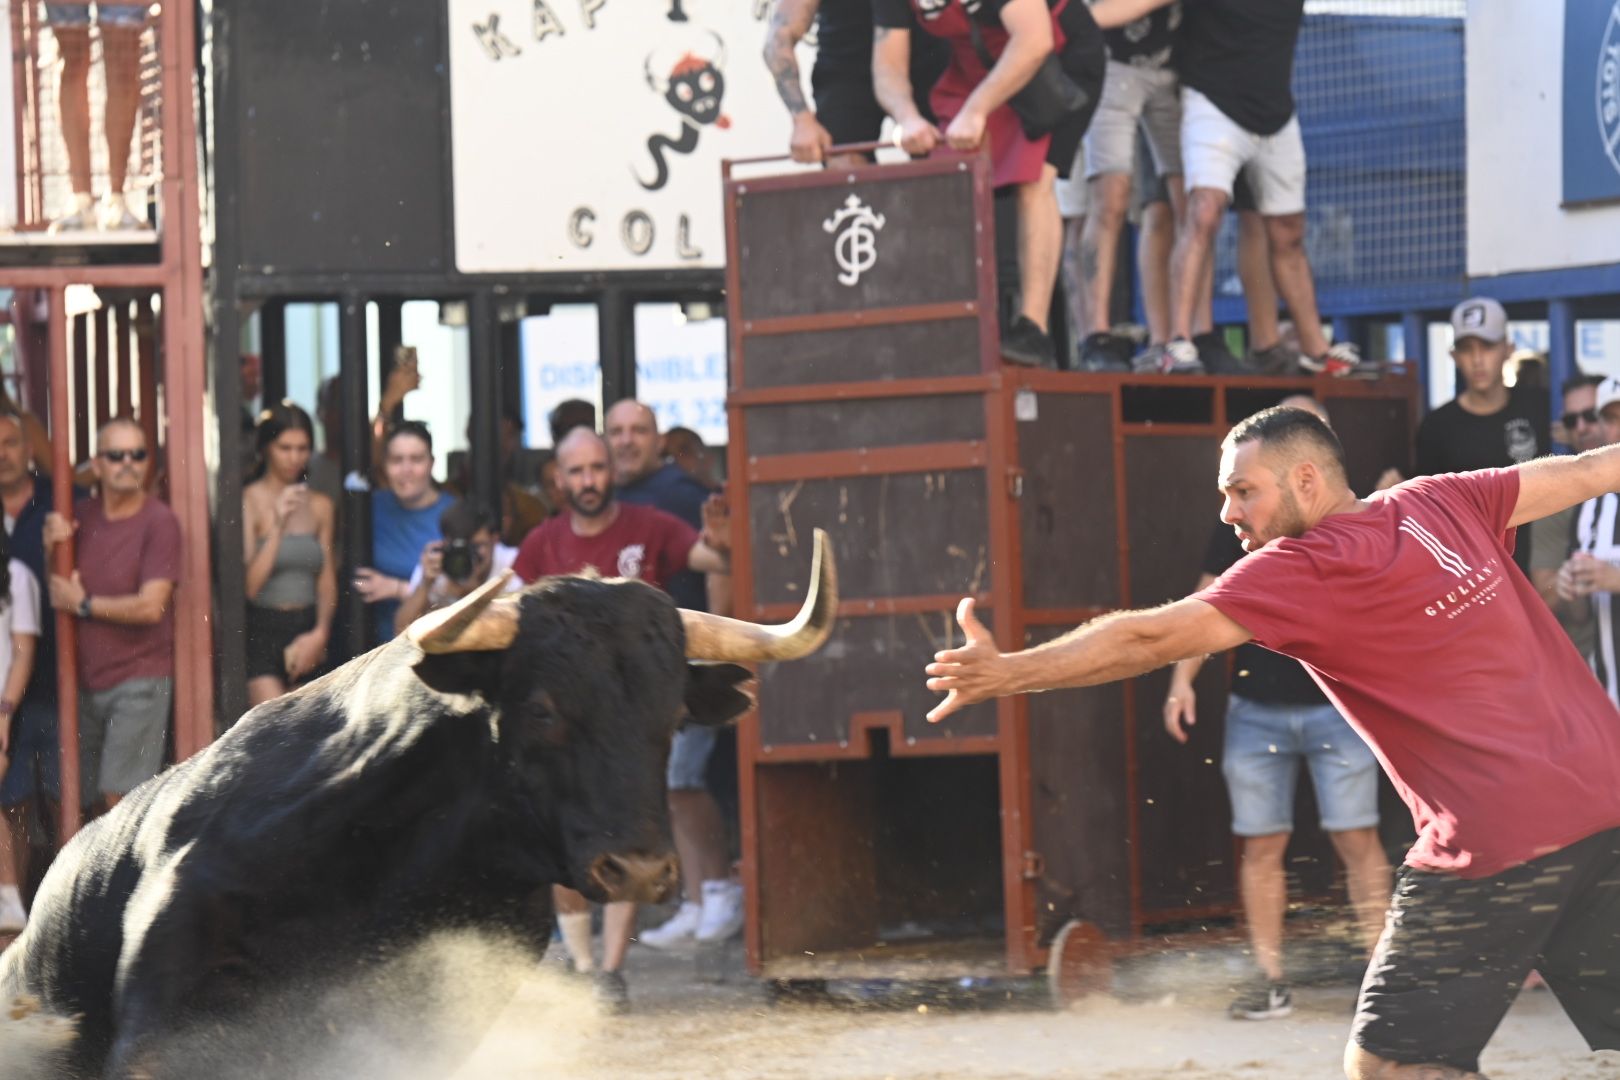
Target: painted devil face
x,y
695,90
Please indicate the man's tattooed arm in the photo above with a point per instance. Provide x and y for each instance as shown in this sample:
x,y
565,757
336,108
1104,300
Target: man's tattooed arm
x,y
790,22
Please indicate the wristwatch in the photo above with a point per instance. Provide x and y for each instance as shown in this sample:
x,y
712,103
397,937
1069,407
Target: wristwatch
x,y
84,607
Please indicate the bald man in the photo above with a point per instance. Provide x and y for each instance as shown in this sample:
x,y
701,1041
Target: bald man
x,y
1278,719
616,539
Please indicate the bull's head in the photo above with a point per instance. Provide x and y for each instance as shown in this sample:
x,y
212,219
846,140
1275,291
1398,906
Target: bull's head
x,y
593,678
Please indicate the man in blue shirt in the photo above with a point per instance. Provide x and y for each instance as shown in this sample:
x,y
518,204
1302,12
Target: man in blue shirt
x,y
712,908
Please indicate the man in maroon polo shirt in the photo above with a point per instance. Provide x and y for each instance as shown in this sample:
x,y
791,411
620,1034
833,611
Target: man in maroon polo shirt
x,y
616,539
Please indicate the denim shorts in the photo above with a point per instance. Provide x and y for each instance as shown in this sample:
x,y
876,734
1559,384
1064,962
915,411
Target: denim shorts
x,y
36,760
689,758
106,14
1264,747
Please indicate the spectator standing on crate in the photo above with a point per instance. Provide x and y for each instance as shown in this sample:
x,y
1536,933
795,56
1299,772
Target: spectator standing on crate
x,y
846,108
128,553
120,27
1236,60
971,100
1277,719
600,532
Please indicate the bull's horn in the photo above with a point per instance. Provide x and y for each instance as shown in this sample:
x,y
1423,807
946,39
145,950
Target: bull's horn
x,y
475,623
712,637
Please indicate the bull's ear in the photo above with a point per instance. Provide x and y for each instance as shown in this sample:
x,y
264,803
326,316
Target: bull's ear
x,y
712,694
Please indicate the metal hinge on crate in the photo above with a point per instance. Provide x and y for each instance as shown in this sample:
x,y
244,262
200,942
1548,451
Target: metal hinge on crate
x,y
1034,866
1015,482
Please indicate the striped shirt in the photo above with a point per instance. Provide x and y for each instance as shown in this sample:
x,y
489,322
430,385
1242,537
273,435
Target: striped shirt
x,y
1597,532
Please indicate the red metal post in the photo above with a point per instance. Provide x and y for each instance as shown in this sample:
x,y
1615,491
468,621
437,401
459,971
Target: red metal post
x,y
67,641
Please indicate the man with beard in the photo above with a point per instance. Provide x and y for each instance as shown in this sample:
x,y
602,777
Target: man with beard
x,y
1409,613
616,539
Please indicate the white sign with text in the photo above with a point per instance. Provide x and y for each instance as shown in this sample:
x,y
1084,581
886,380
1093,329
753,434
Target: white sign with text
x,y
588,134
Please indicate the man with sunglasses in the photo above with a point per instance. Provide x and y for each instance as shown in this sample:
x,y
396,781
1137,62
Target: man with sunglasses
x,y
128,556
1552,539
1588,580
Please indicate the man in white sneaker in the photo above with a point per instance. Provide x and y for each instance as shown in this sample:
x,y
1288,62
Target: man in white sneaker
x,y
712,908
1235,59
119,28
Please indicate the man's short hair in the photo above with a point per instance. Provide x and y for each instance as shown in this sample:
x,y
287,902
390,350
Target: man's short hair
x,y
568,415
464,517
1580,381
119,421
1291,431
413,428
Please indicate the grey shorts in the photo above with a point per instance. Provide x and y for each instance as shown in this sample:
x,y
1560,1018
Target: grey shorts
x,y
121,735
1135,96
130,15
689,758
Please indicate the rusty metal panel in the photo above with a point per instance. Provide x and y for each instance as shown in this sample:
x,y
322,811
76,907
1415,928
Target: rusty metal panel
x,y
896,351
1067,507
904,534
869,664
1080,793
813,426
1171,505
924,252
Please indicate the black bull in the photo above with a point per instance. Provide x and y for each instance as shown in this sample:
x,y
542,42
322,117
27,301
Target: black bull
x,y
441,782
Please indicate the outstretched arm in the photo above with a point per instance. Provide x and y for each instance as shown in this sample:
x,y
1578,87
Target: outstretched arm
x,y
1550,484
1113,647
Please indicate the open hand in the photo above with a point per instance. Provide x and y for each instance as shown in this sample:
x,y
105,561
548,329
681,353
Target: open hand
x,y
1180,711
303,654
970,674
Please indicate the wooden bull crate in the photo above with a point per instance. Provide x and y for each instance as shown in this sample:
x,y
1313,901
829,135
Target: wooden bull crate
x,y
867,398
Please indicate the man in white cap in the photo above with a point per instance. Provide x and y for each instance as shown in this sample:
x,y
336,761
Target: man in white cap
x,y
1489,425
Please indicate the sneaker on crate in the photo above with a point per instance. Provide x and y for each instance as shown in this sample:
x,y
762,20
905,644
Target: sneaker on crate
x,y
115,214
611,992
1278,359
682,926
12,916
1105,351
1339,360
81,219
1027,344
1178,357
1216,357
1262,999
723,913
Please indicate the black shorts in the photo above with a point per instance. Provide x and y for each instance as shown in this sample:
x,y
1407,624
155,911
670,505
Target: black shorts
x,y
847,108
1455,952
1242,193
269,632
1085,60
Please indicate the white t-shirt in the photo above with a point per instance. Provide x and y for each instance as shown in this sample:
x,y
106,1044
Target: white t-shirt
x,y
501,559
21,615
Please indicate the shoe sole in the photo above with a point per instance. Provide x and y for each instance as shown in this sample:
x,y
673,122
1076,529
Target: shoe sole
x,y
1269,1014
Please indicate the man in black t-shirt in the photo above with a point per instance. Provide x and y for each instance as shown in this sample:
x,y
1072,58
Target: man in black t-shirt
x,y
1236,62
846,109
1489,425
1277,719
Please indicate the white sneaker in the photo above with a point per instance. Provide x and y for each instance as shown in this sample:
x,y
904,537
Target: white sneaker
x,y
82,218
115,214
723,913
12,916
681,926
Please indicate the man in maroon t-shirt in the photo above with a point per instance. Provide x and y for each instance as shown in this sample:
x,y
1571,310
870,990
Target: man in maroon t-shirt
x,y
1408,610
128,564
616,539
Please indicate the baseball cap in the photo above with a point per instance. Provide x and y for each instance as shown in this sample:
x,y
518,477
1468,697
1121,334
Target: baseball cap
x,y
1608,393
1480,317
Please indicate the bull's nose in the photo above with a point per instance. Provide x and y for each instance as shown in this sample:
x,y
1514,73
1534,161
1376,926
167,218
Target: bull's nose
x,y
645,879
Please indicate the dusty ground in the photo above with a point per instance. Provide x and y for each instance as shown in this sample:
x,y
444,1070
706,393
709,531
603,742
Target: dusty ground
x,y
1167,1022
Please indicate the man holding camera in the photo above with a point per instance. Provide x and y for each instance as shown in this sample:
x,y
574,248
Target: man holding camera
x,y
469,554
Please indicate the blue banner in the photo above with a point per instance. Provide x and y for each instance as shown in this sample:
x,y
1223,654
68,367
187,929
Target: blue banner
x,y
1591,100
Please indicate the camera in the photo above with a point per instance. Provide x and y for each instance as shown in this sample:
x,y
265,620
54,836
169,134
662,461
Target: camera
x,y
458,560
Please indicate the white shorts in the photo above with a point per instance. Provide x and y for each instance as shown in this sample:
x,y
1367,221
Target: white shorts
x,y
1135,96
1215,149
1072,196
